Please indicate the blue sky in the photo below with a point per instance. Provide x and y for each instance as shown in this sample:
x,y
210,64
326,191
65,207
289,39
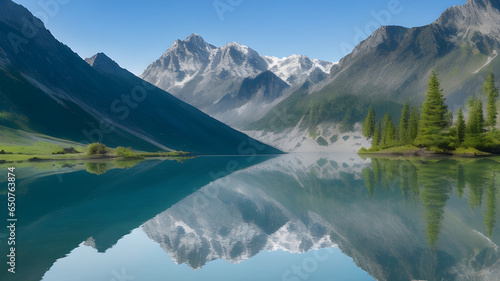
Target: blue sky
x,y
135,33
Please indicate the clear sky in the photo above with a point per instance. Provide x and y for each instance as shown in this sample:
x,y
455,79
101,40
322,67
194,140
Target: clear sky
x,y
135,33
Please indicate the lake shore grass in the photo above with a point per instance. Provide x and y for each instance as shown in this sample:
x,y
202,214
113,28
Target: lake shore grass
x,y
46,152
19,146
410,150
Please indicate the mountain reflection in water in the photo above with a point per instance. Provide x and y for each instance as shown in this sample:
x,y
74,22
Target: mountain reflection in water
x,y
398,219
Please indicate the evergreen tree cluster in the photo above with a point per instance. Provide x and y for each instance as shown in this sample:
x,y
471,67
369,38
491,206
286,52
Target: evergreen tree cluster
x,y
433,127
386,134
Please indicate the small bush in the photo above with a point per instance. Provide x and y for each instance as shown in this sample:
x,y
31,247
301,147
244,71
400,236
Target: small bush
x,y
334,139
125,152
363,150
97,148
321,141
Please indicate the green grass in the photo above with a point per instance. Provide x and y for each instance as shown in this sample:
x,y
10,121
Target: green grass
x,y
408,149
164,154
41,150
22,146
395,150
38,148
470,151
25,158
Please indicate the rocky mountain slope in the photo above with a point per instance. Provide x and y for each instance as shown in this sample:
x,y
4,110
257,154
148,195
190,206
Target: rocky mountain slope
x,y
47,88
395,62
392,67
214,78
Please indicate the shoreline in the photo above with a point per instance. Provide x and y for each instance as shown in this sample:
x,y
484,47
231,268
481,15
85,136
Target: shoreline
x,y
37,159
422,152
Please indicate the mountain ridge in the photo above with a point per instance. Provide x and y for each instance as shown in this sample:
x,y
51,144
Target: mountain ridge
x,y
473,25
59,94
392,67
204,75
105,65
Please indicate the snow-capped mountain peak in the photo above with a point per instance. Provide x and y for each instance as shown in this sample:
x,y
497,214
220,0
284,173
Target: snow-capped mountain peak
x,y
194,37
194,55
296,69
235,60
242,48
180,63
204,75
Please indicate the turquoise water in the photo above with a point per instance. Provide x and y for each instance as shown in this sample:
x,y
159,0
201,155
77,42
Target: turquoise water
x,y
291,217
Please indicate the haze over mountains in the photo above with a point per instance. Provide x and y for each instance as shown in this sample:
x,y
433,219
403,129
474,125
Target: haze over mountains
x,y
232,83
47,88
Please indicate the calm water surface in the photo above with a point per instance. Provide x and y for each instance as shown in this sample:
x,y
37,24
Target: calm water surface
x,y
292,217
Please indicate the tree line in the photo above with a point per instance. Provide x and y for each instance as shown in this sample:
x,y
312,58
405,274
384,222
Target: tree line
x,y
432,127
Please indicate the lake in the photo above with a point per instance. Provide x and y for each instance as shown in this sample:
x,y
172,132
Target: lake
x,y
291,217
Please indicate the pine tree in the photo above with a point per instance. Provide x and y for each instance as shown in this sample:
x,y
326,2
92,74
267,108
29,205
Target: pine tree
x,y
413,124
476,118
389,136
369,124
492,94
433,118
377,134
404,123
460,124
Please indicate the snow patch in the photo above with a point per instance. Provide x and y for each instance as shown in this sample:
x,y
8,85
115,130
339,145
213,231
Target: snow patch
x,y
295,69
300,140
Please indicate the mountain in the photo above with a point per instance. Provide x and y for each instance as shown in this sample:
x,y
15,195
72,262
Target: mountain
x,y
297,69
461,45
105,65
210,78
302,202
391,67
47,88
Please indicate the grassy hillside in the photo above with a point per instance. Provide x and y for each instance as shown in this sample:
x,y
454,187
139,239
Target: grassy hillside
x,y
66,98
